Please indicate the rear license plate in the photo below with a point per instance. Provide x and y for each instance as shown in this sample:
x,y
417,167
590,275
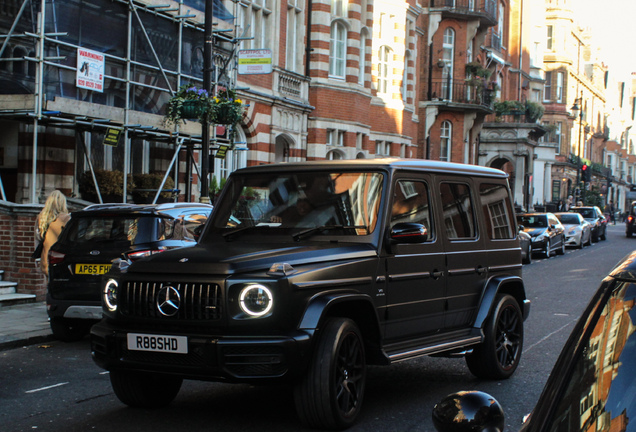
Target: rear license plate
x,y
158,343
95,269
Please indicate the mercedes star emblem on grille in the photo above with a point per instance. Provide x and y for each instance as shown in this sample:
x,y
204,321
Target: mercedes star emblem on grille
x,y
168,301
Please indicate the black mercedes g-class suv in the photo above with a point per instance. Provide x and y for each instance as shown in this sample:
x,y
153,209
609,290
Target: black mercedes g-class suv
x,y
308,272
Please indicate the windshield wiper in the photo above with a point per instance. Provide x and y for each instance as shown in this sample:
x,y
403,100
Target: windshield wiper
x,y
229,234
311,231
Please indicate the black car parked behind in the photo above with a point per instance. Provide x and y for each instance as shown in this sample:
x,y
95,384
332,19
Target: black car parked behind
x,y
97,235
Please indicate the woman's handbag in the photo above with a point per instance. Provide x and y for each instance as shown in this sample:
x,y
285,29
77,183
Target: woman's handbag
x,y
37,253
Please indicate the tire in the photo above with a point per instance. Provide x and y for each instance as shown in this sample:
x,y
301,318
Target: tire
x,y
330,394
547,252
604,235
69,329
499,354
145,390
561,250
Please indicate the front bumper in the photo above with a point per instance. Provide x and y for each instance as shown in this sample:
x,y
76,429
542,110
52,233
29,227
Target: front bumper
x,y
573,240
209,357
539,245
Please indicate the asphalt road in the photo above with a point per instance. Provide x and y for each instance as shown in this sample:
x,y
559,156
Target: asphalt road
x,y
57,387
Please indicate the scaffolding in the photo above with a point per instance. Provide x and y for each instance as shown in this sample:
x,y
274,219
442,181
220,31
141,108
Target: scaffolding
x,y
149,48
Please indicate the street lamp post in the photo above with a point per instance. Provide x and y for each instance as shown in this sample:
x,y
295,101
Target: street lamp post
x,y
207,82
577,110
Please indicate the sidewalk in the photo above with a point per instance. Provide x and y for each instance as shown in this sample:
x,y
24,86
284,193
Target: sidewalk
x,y
24,324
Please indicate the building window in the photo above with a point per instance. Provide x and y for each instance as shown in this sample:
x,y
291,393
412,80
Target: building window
x,y
448,56
547,87
338,50
335,137
446,133
339,8
405,78
383,148
254,20
548,43
362,63
559,87
294,35
384,69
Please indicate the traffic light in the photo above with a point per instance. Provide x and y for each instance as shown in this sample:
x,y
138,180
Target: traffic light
x,y
585,173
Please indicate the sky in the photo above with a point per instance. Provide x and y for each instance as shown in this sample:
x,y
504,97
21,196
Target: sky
x,y
613,25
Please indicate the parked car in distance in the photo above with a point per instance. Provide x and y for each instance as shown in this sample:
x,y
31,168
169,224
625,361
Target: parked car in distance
x,y
97,235
307,272
525,242
547,233
578,231
630,220
592,385
595,217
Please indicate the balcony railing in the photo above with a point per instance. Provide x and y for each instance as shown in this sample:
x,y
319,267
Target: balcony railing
x,y
482,8
457,91
493,40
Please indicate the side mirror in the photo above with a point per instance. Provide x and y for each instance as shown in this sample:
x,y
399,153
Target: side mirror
x,y
469,411
408,232
521,228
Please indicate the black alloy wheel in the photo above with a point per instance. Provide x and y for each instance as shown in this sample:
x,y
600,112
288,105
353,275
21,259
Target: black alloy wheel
x,y
330,394
499,355
561,250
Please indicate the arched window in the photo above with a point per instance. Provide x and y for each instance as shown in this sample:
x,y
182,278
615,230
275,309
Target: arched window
x,y
338,50
363,57
448,55
334,155
445,136
384,69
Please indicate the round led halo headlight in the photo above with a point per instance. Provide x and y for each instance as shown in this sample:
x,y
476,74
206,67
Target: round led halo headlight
x,y
256,300
110,295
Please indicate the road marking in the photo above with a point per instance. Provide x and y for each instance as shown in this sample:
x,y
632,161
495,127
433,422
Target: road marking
x,y
547,336
46,388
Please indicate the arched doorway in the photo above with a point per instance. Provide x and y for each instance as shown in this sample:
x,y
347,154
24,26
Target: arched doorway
x,y
282,148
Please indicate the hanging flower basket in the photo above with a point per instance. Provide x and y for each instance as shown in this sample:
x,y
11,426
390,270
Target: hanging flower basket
x,y
188,103
192,109
227,109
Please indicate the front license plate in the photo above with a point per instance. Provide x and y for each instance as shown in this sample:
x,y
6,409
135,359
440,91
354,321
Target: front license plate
x,y
95,269
158,343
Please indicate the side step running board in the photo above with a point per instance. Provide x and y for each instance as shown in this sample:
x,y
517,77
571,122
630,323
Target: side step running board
x,y
413,352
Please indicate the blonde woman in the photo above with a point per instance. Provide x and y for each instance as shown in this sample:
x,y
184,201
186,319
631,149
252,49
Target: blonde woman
x,y
50,222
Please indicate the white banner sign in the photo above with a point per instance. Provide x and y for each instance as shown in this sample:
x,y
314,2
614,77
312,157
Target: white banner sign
x,y
90,70
255,61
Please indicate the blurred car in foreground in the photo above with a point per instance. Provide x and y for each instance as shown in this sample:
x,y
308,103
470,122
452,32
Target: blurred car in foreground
x,y
592,385
97,235
594,216
548,235
578,231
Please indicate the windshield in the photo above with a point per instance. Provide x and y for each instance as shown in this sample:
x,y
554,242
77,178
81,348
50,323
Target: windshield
x,y
118,229
343,203
533,221
570,219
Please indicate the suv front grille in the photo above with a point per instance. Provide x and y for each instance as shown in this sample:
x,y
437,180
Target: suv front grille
x,y
197,301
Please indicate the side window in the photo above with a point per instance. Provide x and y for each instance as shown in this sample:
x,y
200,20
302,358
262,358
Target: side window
x,y
459,214
411,203
495,204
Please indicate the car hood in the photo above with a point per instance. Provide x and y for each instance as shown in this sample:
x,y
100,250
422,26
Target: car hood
x,y
570,226
533,232
229,258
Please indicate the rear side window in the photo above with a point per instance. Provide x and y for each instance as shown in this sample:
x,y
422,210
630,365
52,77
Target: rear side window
x,y
123,229
459,214
497,209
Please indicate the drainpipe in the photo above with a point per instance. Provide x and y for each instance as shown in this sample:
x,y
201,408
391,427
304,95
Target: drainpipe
x,y
308,48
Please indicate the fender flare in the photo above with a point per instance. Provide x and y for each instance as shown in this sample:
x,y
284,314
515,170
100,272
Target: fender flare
x,y
359,307
512,285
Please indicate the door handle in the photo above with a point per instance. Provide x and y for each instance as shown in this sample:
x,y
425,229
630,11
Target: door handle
x,y
481,270
437,274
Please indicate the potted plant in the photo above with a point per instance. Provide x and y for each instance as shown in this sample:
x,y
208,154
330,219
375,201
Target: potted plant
x,y
475,69
147,186
534,111
227,108
188,103
111,185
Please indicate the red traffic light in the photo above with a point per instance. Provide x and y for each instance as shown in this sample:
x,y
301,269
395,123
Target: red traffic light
x,y
584,167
